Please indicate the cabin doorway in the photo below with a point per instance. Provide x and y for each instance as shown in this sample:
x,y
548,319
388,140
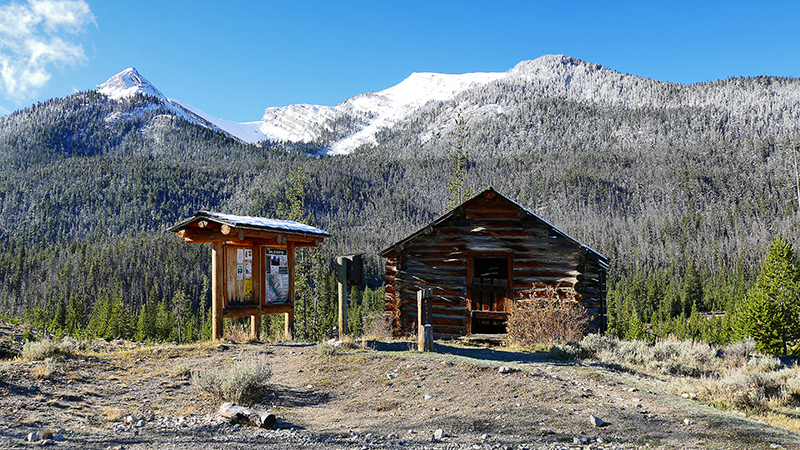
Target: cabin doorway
x,y
488,285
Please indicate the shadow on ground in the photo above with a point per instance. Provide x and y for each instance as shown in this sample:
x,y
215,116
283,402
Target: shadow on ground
x,y
290,398
478,353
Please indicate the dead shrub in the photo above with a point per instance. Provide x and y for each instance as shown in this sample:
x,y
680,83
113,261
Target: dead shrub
x,y
45,371
236,332
548,316
377,326
738,353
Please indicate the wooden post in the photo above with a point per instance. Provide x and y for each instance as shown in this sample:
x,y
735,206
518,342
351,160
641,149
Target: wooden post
x,y
342,262
257,280
255,327
425,320
217,288
288,323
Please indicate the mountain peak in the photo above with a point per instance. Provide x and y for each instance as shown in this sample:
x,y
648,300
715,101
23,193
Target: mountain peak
x,y
548,65
128,83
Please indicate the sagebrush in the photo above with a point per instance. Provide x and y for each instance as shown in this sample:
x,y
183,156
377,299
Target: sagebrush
x,y
46,348
241,384
730,377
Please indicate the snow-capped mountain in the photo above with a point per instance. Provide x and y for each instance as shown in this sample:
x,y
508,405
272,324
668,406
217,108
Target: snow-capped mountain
x,y
129,82
305,123
480,97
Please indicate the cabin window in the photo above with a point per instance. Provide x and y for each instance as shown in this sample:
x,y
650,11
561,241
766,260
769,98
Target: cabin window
x,y
496,268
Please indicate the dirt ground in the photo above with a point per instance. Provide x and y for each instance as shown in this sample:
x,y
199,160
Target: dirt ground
x,y
380,395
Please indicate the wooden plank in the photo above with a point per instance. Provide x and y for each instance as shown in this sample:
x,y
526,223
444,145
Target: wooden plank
x,y
241,311
507,215
288,322
544,273
453,320
458,330
488,207
217,289
252,310
277,308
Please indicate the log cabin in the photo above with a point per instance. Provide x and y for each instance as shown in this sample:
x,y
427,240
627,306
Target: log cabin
x,y
478,259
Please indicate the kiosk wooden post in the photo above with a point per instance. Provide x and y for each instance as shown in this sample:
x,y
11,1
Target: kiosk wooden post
x,y
217,283
252,265
288,323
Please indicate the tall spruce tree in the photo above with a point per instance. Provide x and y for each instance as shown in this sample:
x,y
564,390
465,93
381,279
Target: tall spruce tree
x,y
458,155
771,311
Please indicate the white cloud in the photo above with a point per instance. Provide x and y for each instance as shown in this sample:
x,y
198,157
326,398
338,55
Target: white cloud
x,y
36,37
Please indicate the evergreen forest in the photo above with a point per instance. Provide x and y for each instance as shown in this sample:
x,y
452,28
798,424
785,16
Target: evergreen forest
x,y
687,190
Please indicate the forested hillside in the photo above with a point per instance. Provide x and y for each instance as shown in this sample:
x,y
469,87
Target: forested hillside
x,y
682,187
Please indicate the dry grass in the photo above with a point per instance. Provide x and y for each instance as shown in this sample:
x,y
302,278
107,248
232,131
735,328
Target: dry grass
x,y
44,371
668,356
181,372
750,390
236,332
733,377
111,414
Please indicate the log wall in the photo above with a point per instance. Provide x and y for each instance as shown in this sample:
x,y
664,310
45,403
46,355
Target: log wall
x,y
438,257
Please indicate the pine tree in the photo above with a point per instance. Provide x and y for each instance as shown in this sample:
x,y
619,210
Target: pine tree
x,y
770,313
98,322
144,330
74,315
458,155
59,322
692,290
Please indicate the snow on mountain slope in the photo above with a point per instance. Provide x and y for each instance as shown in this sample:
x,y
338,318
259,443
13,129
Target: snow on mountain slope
x,y
245,131
357,120
394,104
295,122
385,108
554,75
129,82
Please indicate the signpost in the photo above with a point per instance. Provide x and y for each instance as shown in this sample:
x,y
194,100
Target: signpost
x,y
351,273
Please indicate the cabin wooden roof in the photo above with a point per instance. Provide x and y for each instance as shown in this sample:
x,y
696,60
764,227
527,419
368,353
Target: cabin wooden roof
x,y
207,226
487,195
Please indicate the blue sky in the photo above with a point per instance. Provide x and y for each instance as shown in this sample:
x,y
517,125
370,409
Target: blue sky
x,y
232,59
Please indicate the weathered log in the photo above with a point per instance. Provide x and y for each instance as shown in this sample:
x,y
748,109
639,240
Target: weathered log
x,y
247,416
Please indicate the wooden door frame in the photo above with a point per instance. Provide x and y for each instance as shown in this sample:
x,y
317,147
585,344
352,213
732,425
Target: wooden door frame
x,y
471,257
